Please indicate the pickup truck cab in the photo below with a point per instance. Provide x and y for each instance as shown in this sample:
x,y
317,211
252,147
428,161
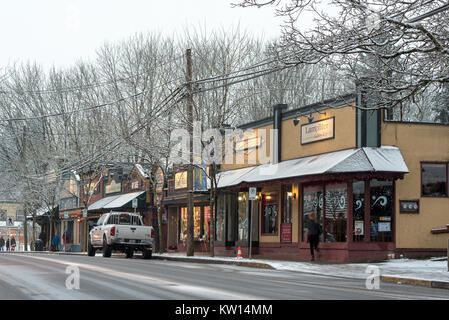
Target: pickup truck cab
x,y
122,231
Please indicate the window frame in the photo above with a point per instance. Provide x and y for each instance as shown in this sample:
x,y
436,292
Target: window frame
x,y
262,207
447,178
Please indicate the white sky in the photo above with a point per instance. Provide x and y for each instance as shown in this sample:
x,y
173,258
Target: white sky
x,y
60,32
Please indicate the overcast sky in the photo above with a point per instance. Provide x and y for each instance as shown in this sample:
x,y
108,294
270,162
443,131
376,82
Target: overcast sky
x,y
61,31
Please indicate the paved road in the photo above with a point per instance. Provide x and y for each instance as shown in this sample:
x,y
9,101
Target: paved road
x,y
42,276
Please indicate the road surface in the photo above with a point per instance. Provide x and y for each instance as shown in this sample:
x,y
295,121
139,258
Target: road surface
x,y
43,276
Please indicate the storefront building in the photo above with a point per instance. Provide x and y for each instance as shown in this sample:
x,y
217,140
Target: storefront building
x,y
175,213
378,187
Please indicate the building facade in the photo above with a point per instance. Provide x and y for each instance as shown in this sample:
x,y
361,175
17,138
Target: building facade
x,y
378,187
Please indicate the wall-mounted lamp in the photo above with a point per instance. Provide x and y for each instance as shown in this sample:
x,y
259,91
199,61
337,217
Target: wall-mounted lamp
x,y
296,122
310,118
268,197
291,195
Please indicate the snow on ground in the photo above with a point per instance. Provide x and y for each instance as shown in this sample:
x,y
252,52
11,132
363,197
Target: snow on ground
x,y
431,269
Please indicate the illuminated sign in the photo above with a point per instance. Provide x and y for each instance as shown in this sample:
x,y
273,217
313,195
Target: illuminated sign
x,y
318,131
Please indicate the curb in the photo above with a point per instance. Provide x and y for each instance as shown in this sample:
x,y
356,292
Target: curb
x,y
206,261
416,282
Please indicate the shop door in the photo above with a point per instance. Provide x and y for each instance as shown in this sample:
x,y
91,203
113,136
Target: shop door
x,y
286,218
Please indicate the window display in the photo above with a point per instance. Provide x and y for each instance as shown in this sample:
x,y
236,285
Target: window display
x,y
336,212
312,203
381,216
270,213
358,190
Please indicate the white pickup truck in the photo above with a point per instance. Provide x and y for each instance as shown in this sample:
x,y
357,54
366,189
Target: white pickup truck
x,y
122,231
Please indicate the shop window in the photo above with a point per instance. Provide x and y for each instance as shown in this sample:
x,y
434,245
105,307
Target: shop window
x,y
434,179
220,218
312,203
358,190
269,213
381,212
231,219
196,223
336,212
206,222
242,216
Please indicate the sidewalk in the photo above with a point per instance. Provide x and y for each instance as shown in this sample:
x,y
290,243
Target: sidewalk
x,y
430,272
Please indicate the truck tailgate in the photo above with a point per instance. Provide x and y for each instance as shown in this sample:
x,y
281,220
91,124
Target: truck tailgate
x,y
133,232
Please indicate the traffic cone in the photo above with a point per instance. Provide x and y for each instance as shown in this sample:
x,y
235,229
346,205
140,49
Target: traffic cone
x,y
239,253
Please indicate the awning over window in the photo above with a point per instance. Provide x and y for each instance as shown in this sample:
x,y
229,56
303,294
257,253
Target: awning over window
x,y
114,202
382,159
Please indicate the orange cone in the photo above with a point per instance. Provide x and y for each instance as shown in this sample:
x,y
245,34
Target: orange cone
x,y
239,253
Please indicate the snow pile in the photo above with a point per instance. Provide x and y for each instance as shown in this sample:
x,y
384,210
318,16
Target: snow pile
x,y
430,269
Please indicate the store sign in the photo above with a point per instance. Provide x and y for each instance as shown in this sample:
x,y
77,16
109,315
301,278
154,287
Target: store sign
x,y
134,203
318,131
84,213
181,180
252,193
409,206
286,232
358,228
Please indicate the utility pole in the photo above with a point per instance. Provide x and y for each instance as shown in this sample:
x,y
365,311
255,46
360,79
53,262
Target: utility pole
x,y
25,207
190,243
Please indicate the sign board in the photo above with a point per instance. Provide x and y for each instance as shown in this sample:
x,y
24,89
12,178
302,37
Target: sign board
x,y
318,131
134,203
10,221
359,227
286,232
66,214
181,180
252,194
409,206
84,213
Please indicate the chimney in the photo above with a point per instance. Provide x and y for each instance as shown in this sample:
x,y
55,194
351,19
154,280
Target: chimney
x,y
277,126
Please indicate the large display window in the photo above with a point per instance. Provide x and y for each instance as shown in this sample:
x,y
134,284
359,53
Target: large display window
x,y
312,203
270,210
336,212
381,210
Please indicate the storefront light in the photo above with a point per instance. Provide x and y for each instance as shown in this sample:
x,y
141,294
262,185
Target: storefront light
x,y
268,197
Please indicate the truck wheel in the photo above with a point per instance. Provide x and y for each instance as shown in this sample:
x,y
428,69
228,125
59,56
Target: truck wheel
x,y
147,253
107,250
129,253
90,250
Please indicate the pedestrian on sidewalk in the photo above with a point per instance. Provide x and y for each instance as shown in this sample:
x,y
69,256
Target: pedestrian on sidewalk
x,y
313,235
7,244
2,243
55,242
13,243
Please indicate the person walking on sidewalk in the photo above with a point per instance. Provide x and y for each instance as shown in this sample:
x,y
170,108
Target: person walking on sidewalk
x,y
2,243
7,244
313,235
13,243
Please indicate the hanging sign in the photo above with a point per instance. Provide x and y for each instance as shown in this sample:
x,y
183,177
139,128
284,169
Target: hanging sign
x,y
134,203
318,131
252,194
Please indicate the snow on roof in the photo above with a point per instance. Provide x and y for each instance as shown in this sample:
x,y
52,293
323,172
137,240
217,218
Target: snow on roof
x,y
43,210
122,200
383,159
102,202
16,224
141,170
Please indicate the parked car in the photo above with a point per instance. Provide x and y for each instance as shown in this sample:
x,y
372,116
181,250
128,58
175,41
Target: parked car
x,y
122,231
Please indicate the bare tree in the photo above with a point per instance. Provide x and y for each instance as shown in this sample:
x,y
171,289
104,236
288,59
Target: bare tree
x,y
408,39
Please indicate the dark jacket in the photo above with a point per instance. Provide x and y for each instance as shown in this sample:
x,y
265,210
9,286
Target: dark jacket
x,y
2,242
313,228
7,242
13,242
